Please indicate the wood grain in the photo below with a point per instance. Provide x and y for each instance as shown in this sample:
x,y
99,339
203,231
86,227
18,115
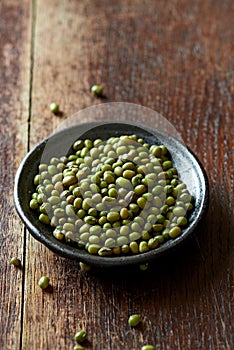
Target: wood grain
x,y
14,97
176,58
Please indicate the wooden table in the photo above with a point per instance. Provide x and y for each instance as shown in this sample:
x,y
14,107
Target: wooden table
x,y
176,57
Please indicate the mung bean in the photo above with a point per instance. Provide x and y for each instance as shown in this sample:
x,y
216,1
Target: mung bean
x,y
15,261
80,336
44,282
144,267
175,232
78,347
97,90
123,196
134,320
54,107
148,347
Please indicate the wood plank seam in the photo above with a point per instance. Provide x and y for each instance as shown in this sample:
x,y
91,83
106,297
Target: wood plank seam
x,y
32,50
33,31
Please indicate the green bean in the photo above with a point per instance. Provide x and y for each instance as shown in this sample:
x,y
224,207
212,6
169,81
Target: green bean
x,y
54,199
15,261
95,239
111,233
122,182
148,196
113,193
93,212
93,248
41,198
139,220
143,267
33,204
110,242
45,208
84,267
108,177
145,235
57,178
105,251
182,221
160,238
128,174
142,169
61,220
58,234
116,224
134,320
44,219
179,211
165,233
91,220
125,249
44,282
122,240
102,220
78,347
134,236
68,227
124,230
80,336
189,206
170,200
134,247
175,232
136,227
37,179
42,167
167,164
129,166
97,90
148,347
143,247
140,189
160,219
69,209
157,202
153,242
157,227
136,180
54,107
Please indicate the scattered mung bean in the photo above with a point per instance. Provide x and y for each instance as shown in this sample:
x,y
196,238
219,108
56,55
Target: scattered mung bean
x,y
78,347
134,320
15,261
54,107
80,336
144,267
97,90
148,347
84,267
44,282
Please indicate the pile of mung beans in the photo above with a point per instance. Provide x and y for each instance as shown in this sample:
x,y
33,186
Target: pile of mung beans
x,y
118,196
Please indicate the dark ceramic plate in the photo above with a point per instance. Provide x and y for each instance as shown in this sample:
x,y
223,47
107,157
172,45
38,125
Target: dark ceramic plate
x,y
188,166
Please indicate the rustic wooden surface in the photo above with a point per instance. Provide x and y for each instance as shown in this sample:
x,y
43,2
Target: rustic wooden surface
x,y
176,57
